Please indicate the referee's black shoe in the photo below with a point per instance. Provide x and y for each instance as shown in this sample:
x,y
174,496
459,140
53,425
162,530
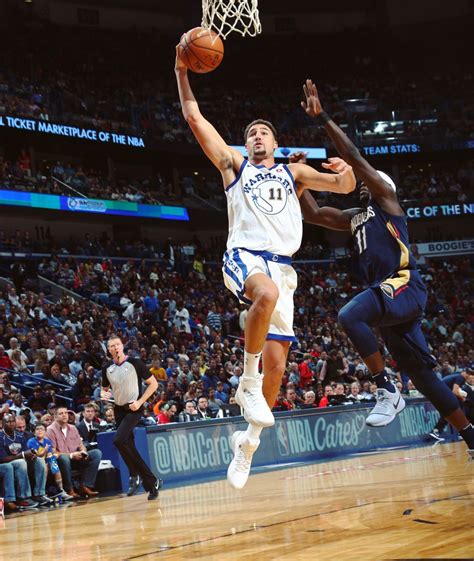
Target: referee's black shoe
x,y
153,494
134,483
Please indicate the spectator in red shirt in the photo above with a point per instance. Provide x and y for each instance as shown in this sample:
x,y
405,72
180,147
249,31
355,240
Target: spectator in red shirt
x,y
5,361
281,404
328,391
306,374
167,411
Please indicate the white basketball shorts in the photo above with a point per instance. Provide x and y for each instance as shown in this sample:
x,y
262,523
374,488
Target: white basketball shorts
x,y
240,264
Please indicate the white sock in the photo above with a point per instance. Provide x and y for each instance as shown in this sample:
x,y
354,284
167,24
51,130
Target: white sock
x,y
253,432
251,362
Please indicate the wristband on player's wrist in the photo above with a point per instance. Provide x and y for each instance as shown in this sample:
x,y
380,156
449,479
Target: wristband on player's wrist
x,y
322,118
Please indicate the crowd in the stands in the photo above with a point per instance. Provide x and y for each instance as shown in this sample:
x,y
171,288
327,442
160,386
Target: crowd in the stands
x,y
424,182
177,323
188,331
40,79
73,180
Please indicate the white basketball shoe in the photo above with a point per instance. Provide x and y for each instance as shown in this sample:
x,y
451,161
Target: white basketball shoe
x,y
250,398
387,408
239,468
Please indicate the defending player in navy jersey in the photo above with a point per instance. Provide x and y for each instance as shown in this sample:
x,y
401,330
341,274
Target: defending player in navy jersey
x,y
265,229
396,297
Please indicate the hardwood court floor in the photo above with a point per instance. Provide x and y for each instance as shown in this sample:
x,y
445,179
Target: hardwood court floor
x,y
405,504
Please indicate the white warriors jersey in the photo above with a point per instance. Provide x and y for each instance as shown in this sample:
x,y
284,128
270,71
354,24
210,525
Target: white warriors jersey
x,y
264,210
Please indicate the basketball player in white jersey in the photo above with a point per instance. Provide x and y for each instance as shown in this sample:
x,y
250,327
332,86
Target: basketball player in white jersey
x,y
265,230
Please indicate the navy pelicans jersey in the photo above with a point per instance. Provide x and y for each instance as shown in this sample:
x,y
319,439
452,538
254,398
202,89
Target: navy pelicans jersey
x,y
381,241
264,210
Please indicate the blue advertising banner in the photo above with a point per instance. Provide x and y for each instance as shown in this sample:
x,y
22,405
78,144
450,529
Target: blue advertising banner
x,y
96,206
439,211
286,151
201,450
389,149
453,247
385,148
63,130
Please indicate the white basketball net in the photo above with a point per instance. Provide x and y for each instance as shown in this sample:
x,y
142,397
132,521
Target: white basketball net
x,y
225,16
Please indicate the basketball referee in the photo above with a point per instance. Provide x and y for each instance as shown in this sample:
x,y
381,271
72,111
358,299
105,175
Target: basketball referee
x,y
124,376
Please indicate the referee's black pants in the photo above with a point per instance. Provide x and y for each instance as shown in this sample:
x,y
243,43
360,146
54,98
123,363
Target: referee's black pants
x,y
125,442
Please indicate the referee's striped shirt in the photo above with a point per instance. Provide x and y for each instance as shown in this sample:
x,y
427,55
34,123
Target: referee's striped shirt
x,y
125,379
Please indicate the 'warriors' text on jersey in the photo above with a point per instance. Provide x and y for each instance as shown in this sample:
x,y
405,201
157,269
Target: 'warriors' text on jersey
x,y
264,210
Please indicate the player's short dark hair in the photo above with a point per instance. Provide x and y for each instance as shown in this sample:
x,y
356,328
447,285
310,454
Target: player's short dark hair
x,y
40,425
260,122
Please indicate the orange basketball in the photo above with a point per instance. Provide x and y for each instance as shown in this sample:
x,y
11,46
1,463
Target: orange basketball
x,y
203,50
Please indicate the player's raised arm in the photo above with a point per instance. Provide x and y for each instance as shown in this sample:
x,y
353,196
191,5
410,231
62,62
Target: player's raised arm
x,y
342,181
380,190
213,145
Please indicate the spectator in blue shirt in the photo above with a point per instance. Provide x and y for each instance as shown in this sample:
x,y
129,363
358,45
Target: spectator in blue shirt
x,y
214,319
13,451
209,377
220,393
75,366
151,305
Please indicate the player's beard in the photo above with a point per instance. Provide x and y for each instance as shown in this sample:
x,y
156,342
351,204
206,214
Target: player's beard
x,y
260,151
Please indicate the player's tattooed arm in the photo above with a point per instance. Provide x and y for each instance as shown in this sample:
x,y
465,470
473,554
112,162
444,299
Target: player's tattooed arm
x,y
225,158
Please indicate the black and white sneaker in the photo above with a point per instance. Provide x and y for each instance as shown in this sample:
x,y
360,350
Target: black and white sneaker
x,y
43,500
435,434
153,494
133,485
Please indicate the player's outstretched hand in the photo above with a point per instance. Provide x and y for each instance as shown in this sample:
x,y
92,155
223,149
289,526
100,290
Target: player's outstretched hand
x,y
337,165
179,64
312,104
298,158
